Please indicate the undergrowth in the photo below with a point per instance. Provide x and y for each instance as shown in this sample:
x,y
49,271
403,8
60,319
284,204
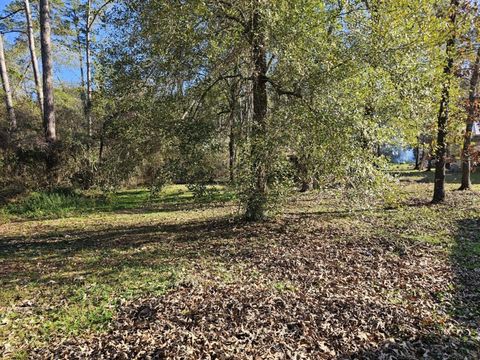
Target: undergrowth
x,y
55,203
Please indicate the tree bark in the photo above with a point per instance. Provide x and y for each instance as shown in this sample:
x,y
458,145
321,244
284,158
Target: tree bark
x,y
423,158
33,55
466,156
82,77
49,105
232,139
258,198
443,114
417,156
75,20
89,70
429,161
306,179
6,88
231,149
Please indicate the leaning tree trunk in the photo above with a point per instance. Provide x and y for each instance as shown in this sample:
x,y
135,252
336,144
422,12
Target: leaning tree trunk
x,y
6,87
441,150
466,158
49,107
258,197
33,55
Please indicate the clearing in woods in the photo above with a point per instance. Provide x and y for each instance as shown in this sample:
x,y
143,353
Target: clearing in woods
x,y
175,278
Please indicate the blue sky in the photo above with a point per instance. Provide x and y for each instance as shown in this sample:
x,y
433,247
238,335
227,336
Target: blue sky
x,y
62,73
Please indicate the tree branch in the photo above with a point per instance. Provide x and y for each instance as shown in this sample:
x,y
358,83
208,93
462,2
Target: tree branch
x,y
198,102
97,12
280,91
11,14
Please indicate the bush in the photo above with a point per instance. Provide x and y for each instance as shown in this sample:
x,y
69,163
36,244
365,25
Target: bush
x,y
156,182
202,191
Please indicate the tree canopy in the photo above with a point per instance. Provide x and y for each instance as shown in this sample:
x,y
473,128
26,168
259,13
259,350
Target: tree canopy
x,y
266,95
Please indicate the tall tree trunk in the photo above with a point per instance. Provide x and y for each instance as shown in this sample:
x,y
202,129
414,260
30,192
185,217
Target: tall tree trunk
x,y
305,178
6,87
443,113
33,55
232,139
257,200
80,61
417,156
82,76
49,106
423,158
89,68
231,149
430,159
466,161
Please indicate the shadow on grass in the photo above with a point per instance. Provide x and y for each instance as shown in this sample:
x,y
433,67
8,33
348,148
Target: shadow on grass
x,y
428,176
466,263
139,201
89,251
464,308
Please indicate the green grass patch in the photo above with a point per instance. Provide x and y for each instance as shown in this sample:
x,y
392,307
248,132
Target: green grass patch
x,y
56,203
406,173
38,309
63,203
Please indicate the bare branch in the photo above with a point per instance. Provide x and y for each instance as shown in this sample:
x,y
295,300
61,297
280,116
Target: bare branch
x,y
198,102
11,14
97,12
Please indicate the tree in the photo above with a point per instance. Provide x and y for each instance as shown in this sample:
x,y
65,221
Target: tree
x,y
33,55
233,123
255,208
324,83
48,88
443,113
83,16
88,25
6,88
471,107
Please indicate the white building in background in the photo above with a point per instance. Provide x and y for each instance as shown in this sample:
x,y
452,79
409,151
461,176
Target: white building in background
x,y
476,129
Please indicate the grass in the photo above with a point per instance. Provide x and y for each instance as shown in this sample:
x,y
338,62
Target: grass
x,y
54,204
406,173
65,203
68,261
64,267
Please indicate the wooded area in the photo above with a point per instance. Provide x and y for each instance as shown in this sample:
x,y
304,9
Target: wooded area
x,y
305,169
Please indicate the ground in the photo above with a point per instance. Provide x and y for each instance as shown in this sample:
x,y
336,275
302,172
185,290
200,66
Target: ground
x,y
178,278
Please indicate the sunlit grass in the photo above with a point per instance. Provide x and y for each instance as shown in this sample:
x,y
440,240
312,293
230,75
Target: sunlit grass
x,y
63,204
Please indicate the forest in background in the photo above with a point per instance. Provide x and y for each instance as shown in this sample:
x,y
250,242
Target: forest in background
x,y
268,96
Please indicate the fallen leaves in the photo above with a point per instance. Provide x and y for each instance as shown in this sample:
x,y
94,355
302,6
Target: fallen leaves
x,y
293,297
333,284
